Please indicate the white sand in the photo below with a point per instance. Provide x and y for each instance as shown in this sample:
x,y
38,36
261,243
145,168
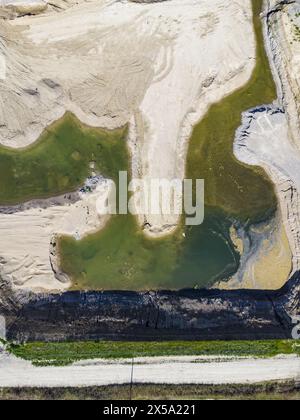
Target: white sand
x,y
158,66
161,76
27,258
213,55
269,136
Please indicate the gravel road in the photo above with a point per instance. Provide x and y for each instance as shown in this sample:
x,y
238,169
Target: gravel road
x,y
180,370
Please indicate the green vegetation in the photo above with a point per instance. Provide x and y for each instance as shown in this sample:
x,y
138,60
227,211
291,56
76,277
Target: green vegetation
x,y
65,353
60,161
297,33
263,391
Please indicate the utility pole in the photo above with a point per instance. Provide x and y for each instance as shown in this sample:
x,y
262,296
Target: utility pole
x,y
131,379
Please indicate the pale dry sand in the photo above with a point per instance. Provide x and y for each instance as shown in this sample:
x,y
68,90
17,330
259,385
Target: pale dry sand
x,y
158,66
28,236
12,9
269,137
268,144
213,54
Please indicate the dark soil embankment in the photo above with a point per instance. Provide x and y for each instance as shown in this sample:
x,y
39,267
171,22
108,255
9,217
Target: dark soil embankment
x,y
159,316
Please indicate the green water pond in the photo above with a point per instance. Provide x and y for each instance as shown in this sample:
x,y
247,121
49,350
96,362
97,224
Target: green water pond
x,y
120,256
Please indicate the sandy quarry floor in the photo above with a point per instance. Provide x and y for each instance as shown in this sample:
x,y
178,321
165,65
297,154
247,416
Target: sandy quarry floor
x,y
27,257
158,66
179,370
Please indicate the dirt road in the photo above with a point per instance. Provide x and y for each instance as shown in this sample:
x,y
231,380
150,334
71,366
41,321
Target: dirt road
x,y
180,370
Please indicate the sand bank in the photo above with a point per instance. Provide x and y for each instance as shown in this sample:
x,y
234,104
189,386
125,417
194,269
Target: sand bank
x,y
162,75
269,137
28,243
